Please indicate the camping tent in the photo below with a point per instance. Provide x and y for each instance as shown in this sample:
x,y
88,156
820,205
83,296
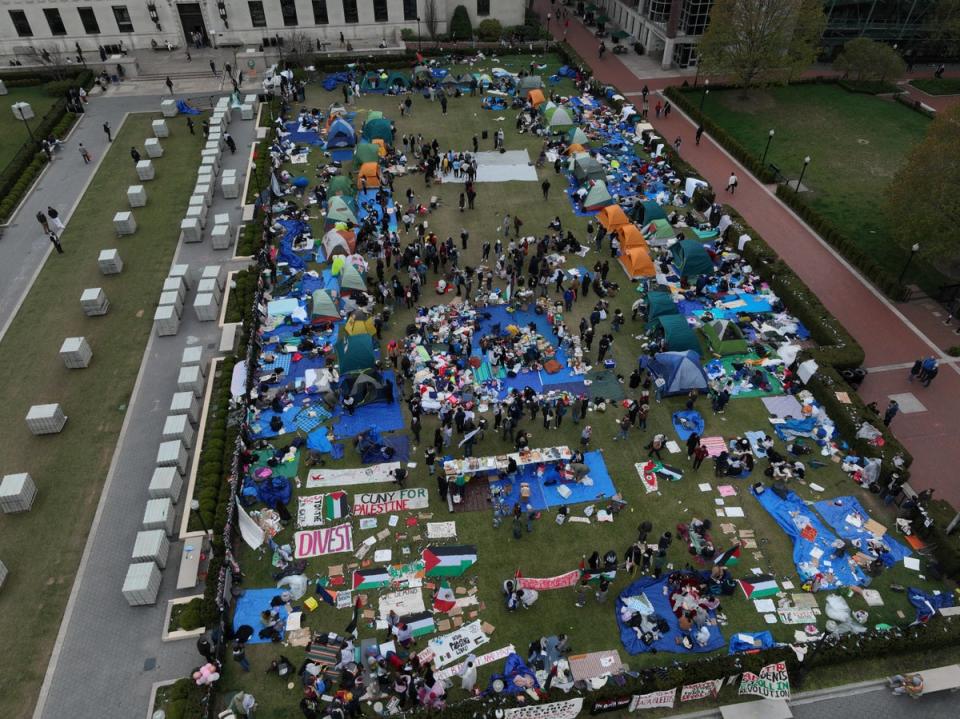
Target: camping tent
x,y
355,353
546,107
647,211
637,263
630,236
336,242
374,81
381,146
681,371
597,196
536,97
559,119
659,230
725,337
352,279
341,134
530,82
660,304
366,152
575,149
691,258
374,115
340,185
379,127
324,307
369,175
366,386
339,210
360,324
587,168
398,79
612,217
678,334
576,135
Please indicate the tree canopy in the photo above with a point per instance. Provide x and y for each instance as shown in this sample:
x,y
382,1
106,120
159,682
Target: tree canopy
x,y
866,59
922,201
756,42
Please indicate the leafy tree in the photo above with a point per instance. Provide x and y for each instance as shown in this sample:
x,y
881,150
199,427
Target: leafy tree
x,y
757,42
945,27
489,30
923,200
460,26
867,59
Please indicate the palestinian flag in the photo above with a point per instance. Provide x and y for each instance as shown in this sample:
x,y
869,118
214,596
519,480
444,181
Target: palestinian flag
x,y
730,558
759,586
449,561
444,600
420,623
372,578
336,506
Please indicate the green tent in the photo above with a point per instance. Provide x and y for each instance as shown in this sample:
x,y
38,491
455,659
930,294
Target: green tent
x,y
366,152
352,279
652,211
374,115
691,259
378,129
324,306
530,82
577,136
339,210
725,337
341,184
422,71
483,79
559,119
586,168
598,196
355,353
398,79
662,230
660,304
680,337
546,107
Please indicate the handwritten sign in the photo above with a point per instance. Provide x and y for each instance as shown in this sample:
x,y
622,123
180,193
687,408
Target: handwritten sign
x,y
404,602
338,478
700,690
555,710
773,682
561,581
310,511
482,660
450,647
344,599
320,542
441,530
372,503
654,700
604,706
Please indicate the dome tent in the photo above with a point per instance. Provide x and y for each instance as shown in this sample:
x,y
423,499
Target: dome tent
x,y
659,230
546,107
324,307
366,152
691,259
340,185
352,279
360,323
630,236
586,168
336,243
374,115
679,336
366,386
530,82
597,196
575,149
559,119
398,79
647,211
355,353
339,210
637,263
680,370
612,217
725,337
578,136
660,304
341,134
369,174
378,128
535,97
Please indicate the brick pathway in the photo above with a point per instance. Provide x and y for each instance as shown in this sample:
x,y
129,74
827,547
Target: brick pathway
x,y
890,335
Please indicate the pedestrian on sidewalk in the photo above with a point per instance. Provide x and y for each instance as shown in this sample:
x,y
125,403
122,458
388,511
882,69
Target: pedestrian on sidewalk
x,y
929,371
42,219
84,154
56,242
699,134
890,412
135,154
915,370
169,84
667,107
106,129
657,109
190,125
677,143
227,138
645,91
602,49
55,220
732,183
213,67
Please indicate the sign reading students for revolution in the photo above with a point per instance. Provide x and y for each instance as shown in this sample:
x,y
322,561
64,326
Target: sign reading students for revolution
x,y
773,682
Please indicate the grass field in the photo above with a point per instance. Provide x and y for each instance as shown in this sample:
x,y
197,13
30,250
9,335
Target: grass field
x,y
856,143
13,130
944,86
551,549
42,548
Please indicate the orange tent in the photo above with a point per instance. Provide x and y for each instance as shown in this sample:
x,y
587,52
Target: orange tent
x,y
630,236
575,148
536,97
381,146
612,217
371,172
637,263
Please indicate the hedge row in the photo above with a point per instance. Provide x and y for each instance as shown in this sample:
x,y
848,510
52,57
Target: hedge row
x,y
240,304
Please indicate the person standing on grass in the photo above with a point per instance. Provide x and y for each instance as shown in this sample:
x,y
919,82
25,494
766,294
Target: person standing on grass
x,y
190,125
240,656
732,183
699,454
624,428
585,436
135,154
545,186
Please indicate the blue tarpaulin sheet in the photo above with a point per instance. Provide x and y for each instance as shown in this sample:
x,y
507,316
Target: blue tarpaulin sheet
x,y
183,107
836,511
400,446
514,668
293,229
750,642
543,490
306,137
928,604
654,590
248,608
387,417
686,422
792,514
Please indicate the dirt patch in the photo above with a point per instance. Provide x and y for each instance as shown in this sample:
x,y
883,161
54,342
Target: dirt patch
x,y
751,102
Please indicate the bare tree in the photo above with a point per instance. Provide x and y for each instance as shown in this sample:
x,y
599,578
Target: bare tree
x,y
299,47
431,17
54,57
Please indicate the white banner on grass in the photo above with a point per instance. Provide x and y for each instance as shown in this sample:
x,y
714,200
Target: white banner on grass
x,y
482,660
773,682
404,602
336,478
654,700
310,511
326,540
700,690
402,500
450,647
556,710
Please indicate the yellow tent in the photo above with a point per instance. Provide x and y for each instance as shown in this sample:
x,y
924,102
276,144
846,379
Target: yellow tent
x,y
575,148
612,217
637,263
630,236
369,171
360,326
536,97
381,146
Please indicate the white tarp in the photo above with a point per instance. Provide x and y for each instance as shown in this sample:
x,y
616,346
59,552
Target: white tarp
x,y
318,478
513,165
249,530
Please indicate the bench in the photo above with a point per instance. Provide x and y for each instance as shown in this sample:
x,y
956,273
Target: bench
x,y
940,679
763,709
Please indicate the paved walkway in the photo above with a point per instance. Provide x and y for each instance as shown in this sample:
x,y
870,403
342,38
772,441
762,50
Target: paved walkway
x,y
108,654
889,334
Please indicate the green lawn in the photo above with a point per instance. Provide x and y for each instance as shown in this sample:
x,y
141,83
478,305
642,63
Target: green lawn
x,y
944,86
42,547
856,143
13,131
551,549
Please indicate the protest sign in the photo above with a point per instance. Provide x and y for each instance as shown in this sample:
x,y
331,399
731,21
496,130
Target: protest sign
x,y
336,478
603,706
654,700
700,690
327,540
482,660
366,504
561,581
310,511
773,682
450,647
556,710
404,602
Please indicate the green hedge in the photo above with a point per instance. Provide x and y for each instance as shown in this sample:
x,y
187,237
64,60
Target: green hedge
x,y
182,700
869,87
240,304
216,450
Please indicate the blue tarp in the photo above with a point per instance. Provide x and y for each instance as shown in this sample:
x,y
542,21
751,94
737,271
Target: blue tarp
x,y
787,513
750,642
293,229
400,445
654,590
928,604
512,669
387,417
273,490
248,608
686,422
183,107
543,490
836,511
331,81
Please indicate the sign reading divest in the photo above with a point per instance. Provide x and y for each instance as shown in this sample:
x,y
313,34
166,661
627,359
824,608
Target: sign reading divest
x,y
556,710
327,540
369,503
773,682
654,700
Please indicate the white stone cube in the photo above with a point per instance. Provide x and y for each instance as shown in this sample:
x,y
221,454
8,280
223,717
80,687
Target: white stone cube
x,y
205,307
166,320
76,353
153,147
45,419
145,170
169,107
136,196
124,223
160,128
109,262
191,229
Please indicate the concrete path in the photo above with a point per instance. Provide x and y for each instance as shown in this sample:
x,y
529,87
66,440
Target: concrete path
x,y
108,654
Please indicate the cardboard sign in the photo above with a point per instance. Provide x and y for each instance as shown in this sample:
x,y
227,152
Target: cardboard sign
x,y
310,511
654,700
797,615
320,542
404,602
773,682
700,690
482,660
344,599
441,530
402,500
561,581
450,647
555,710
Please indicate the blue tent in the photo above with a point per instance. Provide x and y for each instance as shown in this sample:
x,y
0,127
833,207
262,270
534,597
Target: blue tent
x,y
341,134
681,370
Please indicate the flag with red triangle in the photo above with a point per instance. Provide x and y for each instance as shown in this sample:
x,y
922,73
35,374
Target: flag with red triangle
x,y
730,558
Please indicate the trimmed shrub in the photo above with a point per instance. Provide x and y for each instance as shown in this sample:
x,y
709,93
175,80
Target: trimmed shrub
x,y
490,30
461,28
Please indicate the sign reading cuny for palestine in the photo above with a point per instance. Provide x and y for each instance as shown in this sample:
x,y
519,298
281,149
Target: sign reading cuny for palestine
x,y
326,540
371,503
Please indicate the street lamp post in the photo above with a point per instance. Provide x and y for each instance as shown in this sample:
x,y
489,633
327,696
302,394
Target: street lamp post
x,y
419,39
763,161
914,249
806,162
33,140
706,91
195,506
